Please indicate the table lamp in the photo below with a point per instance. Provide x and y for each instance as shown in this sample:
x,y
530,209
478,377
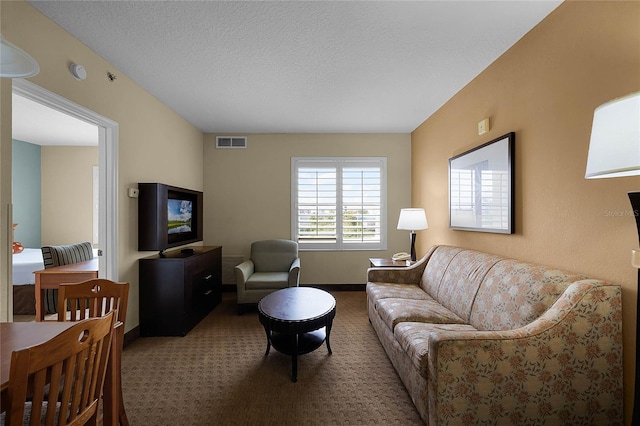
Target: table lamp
x,y
614,151
412,220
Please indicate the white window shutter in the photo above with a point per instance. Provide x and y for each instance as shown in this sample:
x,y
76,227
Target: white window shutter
x,y
339,203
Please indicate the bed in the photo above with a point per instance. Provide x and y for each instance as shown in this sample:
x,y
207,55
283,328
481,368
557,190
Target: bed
x,y
24,265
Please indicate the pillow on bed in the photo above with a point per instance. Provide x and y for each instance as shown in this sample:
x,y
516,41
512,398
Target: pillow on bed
x,y
64,255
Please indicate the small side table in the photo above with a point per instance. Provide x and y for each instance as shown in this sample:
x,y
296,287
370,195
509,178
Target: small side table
x,y
388,263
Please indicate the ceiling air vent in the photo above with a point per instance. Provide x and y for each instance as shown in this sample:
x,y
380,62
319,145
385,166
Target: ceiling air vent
x,y
231,141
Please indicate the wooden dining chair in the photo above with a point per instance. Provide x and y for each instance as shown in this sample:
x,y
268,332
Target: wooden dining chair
x,y
94,298
59,382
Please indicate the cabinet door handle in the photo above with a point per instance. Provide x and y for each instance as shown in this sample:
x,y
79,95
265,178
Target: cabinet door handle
x,y
208,292
208,277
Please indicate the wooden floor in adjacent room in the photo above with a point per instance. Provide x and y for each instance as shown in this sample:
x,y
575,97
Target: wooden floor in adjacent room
x,y
218,375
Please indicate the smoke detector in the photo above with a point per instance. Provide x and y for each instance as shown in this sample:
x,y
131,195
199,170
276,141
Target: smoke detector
x,y
78,71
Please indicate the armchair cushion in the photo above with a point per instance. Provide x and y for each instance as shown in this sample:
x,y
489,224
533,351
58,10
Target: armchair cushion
x,y
264,280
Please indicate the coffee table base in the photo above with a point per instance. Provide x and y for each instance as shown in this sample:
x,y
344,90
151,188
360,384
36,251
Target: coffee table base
x,y
307,342
297,344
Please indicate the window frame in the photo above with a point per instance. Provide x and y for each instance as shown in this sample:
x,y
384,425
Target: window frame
x,y
339,163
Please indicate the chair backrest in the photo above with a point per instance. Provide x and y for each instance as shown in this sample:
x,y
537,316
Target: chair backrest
x,y
72,365
67,254
92,298
58,256
273,255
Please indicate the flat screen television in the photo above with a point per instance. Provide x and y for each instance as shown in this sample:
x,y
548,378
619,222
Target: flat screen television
x,y
168,216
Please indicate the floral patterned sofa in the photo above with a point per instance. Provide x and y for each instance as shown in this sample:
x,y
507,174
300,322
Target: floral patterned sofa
x,y
482,339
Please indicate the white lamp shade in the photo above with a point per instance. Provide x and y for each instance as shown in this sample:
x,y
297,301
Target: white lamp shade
x,y
635,258
412,220
15,62
614,149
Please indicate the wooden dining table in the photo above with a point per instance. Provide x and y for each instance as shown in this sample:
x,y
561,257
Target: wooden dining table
x,y
20,335
51,278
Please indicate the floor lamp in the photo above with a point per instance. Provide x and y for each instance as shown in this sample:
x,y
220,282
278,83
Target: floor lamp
x,y
614,151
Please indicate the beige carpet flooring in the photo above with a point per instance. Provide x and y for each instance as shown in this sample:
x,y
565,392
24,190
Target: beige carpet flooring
x,y
218,375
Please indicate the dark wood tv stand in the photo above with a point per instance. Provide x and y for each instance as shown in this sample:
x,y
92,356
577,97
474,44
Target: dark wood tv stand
x,y
178,289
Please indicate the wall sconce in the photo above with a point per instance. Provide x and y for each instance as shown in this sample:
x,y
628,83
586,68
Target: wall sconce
x,y
15,62
614,151
412,220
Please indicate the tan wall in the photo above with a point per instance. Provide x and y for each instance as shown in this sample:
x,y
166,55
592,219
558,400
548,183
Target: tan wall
x,y
545,89
67,194
248,196
155,144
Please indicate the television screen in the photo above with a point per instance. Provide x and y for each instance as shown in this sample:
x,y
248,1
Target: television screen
x,y
168,216
180,214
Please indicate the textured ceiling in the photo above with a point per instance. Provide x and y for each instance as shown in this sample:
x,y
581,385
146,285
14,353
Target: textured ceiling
x,y
38,124
300,66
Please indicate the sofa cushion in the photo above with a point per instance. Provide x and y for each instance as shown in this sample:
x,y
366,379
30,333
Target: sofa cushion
x,y
413,338
396,310
462,279
515,293
377,291
436,267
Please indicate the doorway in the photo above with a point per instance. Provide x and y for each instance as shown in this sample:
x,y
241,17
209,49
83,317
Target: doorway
x,y
107,168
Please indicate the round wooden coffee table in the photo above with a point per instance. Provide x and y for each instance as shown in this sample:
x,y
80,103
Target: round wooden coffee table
x,y
297,321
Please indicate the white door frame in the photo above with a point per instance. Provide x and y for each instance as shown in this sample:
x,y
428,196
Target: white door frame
x,y
108,163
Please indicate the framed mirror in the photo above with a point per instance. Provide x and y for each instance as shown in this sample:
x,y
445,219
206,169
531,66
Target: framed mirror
x,y
481,187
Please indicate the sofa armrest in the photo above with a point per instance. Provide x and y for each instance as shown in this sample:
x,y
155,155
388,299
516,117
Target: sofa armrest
x,y
294,273
568,359
404,275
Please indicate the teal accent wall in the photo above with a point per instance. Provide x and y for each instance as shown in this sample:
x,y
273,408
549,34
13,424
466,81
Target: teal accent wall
x,y
26,192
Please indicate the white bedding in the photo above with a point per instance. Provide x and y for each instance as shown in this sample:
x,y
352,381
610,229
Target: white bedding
x,y
24,265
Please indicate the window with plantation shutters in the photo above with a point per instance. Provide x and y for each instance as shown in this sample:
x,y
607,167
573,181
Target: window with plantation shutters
x,y
339,203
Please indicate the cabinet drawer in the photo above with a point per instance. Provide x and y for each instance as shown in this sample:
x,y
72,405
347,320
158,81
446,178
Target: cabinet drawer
x,y
203,289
